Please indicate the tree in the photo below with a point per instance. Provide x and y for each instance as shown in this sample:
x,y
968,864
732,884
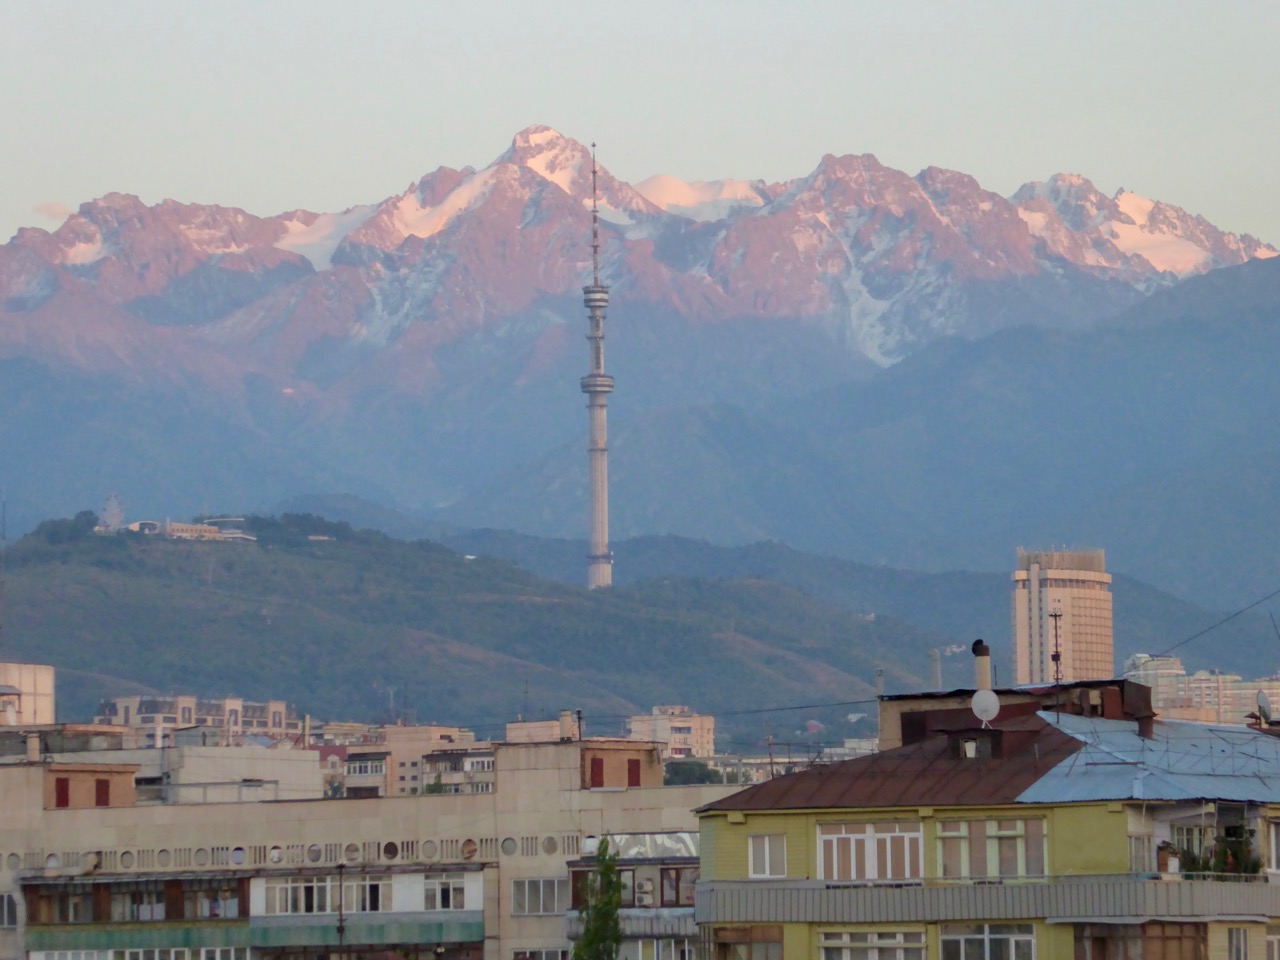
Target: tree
x,y
690,771
601,930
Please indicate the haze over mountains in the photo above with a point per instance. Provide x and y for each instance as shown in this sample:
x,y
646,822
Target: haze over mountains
x,y
896,368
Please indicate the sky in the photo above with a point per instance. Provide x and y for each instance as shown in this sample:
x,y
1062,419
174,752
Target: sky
x,y
323,105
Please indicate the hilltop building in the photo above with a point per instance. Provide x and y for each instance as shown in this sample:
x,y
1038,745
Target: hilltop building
x,y
684,733
1073,824
1062,624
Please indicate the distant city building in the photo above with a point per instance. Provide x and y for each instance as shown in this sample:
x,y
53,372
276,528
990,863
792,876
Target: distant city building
x,y
215,528
26,694
1062,625
232,717
682,732
544,731
1209,696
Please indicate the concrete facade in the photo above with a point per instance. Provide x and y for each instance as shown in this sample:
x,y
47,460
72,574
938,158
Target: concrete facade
x,y
457,876
685,733
1074,584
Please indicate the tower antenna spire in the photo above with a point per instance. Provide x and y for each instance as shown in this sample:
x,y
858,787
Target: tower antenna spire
x,y
595,222
597,385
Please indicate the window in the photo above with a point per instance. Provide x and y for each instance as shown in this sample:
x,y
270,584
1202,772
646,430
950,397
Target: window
x,y
540,955
444,892
539,897
581,880
665,950
677,886
1237,943
186,714
768,855
884,851
983,849
1273,942
988,941
873,945
287,895
633,772
597,772
101,793
62,792
1195,838
211,900
8,910
138,901
360,768
682,731
760,942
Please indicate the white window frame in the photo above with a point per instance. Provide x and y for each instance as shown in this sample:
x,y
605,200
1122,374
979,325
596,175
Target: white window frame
x,y
444,886
1237,943
1014,934
874,840
1273,942
286,896
872,945
767,855
558,887
669,949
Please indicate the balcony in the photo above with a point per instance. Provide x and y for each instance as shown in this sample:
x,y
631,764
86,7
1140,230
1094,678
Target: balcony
x,y
645,923
1113,897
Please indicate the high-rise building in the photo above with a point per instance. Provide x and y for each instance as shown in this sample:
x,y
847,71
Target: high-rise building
x,y
597,385
1062,628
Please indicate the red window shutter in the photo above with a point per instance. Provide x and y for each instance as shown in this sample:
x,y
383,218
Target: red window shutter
x,y
597,771
102,793
62,792
633,773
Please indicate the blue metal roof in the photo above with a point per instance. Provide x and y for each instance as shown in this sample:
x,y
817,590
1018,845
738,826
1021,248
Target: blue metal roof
x,y
1182,761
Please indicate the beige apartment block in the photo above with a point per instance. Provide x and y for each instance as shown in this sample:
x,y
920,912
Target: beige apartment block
x,y
1062,610
1207,696
683,732
480,875
232,718
27,694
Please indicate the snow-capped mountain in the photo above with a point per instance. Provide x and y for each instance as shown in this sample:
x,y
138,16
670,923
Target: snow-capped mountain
x,y
452,310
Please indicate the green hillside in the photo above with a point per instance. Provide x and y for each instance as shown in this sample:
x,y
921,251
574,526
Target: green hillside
x,y
334,625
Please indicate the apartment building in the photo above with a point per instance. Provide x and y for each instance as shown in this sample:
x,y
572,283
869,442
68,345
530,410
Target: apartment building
x,y
1072,824
489,875
684,733
1210,696
233,719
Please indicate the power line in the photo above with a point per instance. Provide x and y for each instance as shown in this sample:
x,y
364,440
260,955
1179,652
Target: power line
x,y
1226,619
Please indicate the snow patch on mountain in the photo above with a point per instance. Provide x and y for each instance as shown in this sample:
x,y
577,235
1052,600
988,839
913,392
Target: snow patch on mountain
x,y
703,200
317,238
413,219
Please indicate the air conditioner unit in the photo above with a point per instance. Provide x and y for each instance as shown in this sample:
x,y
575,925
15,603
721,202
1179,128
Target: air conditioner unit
x,y
644,886
644,899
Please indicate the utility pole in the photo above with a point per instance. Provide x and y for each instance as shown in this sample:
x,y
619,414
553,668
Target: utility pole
x,y
1057,648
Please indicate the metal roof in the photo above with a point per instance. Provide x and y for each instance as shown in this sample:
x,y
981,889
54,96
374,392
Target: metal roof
x,y
1181,761
928,773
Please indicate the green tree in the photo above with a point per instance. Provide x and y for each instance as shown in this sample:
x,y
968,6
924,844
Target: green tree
x,y
690,771
601,930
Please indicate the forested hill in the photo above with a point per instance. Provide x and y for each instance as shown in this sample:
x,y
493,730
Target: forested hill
x,y
334,625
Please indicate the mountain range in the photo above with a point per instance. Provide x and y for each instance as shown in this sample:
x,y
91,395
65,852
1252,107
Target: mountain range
x,y
878,365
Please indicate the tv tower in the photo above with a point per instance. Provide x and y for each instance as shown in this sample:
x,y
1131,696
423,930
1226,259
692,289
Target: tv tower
x,y
597,385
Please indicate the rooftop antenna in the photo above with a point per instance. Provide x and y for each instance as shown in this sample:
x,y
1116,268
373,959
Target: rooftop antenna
x,y
595,222
1056,656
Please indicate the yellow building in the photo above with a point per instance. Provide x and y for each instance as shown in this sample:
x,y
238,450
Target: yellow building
x,y
684,733
1089,831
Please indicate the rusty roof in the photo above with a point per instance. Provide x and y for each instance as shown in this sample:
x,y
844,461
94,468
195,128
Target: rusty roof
x,y
929,773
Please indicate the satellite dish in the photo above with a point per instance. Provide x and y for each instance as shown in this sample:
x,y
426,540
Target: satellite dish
x,y
985,706
1264,706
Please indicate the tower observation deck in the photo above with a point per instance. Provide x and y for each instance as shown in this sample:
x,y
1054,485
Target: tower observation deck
x,y
597,385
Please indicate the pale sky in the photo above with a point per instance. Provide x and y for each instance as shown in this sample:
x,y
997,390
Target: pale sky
x,y
272,106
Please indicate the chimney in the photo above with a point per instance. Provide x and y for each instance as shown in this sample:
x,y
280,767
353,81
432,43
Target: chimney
x,y
33,747
566,725
981,665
